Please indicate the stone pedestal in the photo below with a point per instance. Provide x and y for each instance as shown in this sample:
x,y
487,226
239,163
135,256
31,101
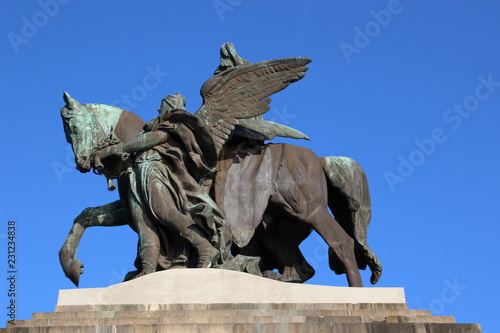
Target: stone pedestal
x,y
210,300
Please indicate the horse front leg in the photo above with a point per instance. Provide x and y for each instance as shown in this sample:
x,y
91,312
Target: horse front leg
x,y
109,215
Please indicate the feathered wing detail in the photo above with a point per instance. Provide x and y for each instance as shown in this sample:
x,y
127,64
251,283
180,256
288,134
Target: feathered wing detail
x,y
266,130
242,92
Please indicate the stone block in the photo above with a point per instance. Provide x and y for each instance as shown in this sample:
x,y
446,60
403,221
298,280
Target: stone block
x,y
178,304
222,286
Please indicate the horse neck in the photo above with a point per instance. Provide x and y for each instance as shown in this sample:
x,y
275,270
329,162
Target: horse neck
x,y
111,120
106,119
128,126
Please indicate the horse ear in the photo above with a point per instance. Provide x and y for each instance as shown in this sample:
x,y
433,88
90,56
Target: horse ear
x,y
71,102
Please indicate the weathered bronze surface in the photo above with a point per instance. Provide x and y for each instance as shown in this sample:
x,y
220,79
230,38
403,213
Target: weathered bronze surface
x,y
205,190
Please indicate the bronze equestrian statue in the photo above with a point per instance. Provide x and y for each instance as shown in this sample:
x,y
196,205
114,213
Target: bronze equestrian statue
x,y
227,193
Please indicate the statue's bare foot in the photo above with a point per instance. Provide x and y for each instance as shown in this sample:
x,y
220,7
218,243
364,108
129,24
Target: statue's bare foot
x,y
208,258
141,274
131,275
290,275
271,275
291,279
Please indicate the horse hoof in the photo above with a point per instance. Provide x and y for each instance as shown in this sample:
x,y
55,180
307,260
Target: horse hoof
x,y
376,274
74,271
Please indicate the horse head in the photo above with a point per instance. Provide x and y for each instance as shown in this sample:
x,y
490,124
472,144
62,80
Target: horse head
x,y
87,128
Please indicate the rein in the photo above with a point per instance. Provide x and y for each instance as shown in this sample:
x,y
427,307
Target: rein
x,y
109,140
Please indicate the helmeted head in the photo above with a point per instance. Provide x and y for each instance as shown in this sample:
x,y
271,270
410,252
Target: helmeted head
x,y
78,127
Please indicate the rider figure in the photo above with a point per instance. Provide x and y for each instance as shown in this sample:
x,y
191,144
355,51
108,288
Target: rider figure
x,y
173,153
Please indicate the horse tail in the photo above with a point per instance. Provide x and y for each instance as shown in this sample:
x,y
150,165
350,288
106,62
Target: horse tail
x,y
349,201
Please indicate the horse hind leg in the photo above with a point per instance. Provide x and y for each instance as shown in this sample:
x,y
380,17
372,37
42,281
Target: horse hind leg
x,y
298,269
341,246
302,192
316,214
289,259
287,236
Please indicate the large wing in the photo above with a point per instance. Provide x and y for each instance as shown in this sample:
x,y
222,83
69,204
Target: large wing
x,y
242,92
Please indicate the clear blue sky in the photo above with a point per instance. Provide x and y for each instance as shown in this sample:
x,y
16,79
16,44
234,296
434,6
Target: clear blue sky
x,y
410,89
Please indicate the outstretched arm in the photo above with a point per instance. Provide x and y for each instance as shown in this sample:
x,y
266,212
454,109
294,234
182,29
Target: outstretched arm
x,y
141,142
145,141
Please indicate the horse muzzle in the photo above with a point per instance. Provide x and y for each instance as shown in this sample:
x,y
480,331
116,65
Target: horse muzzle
x,y
83,164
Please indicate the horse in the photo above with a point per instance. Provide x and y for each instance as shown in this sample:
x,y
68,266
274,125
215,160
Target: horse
x,y
293,202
